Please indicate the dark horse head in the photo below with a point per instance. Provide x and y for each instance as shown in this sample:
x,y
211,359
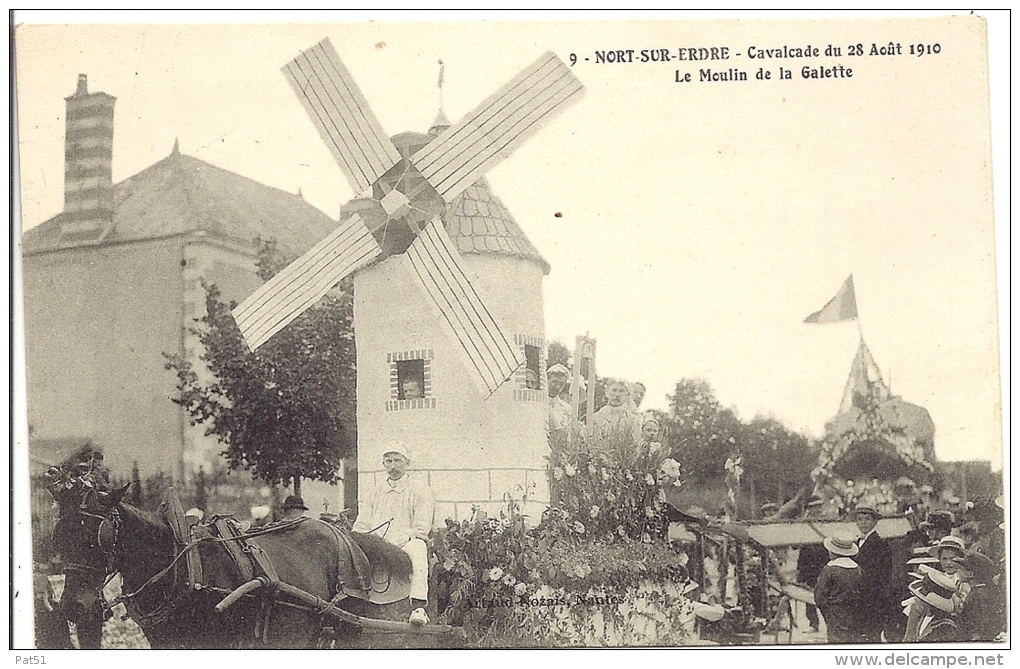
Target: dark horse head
x,y
85,534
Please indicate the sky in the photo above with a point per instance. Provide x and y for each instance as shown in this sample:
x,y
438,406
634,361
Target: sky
x,y
690,227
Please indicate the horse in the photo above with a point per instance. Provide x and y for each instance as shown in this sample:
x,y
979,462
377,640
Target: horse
x,y
99,535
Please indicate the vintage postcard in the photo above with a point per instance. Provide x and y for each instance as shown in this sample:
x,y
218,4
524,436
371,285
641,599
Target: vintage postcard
x,y
481,332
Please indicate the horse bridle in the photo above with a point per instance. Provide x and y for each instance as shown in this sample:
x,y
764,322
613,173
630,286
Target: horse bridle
x,y
106,534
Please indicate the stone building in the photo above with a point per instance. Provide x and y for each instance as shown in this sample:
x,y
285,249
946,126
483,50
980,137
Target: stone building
x,y
114,281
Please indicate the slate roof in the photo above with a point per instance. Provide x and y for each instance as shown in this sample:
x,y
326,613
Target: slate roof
x,y
181,194
478,222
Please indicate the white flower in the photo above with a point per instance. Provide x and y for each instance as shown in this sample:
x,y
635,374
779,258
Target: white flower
x,y
649,479
605,474
569,470
521,589
594,511
557,473
495,574
509,580
578,527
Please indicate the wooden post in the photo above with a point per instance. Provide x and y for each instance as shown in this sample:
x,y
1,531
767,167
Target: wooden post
x,y
584,350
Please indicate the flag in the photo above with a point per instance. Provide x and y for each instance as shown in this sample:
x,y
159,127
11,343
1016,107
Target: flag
x,y
843,307
865,382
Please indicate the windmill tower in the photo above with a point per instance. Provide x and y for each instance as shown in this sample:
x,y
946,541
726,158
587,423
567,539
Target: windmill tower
x,y
448,305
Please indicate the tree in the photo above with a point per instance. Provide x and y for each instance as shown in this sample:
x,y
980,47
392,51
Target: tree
x,y
700,431
777,461
135,494
286,411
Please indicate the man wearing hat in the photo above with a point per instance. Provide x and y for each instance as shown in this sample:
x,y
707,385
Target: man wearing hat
x,y
560,412
984,609
875,559
293,507
401,510
838,591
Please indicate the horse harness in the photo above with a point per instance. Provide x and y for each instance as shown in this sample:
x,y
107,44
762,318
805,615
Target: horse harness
x,y
250,561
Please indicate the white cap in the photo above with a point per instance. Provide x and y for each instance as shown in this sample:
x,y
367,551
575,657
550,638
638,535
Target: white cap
x,y
399,447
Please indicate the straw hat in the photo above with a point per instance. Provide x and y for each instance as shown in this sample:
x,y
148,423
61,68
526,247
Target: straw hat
x,y
710,612
950,543
840,545
936,589
866,508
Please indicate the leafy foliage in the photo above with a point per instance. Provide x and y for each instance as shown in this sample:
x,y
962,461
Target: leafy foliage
x,y
700,431
506,583
598,496
779,459
286,411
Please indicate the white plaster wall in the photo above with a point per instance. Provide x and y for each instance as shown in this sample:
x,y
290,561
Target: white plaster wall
x,y
469,448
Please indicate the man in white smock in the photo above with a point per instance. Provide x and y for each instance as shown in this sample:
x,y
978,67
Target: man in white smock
x,y
401,510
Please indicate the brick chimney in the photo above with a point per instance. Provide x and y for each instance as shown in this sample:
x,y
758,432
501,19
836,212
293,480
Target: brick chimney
x,y
88,160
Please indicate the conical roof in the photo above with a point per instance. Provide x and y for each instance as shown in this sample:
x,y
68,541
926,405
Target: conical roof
x,y
478,222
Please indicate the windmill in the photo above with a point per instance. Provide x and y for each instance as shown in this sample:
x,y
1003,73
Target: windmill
x,y
411,192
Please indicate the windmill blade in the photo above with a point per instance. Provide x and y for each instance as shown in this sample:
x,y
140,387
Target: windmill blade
x,y
303,282
341,115
437,268
494,130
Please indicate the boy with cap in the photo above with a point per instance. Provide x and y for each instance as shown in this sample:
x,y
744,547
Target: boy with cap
x,y
838,591
402,510
934,596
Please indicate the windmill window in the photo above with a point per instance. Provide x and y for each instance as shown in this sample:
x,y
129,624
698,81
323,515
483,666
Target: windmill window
x,y
410,380
532,367
529,379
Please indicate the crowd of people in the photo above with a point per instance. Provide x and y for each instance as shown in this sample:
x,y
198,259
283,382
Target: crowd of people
x,y
952,587
620,431
955,592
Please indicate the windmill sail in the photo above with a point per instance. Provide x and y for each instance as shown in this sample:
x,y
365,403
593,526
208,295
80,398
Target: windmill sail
x,y
305,281
494,130
437,269
341,115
